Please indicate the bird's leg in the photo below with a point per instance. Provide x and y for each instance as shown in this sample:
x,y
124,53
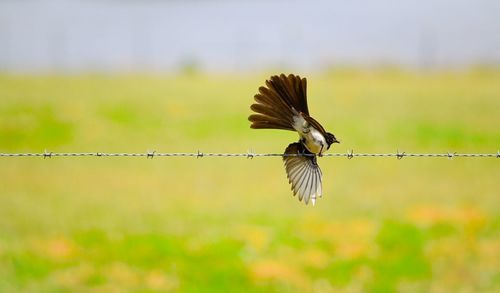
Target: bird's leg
x,y
302,149
321,151
302,152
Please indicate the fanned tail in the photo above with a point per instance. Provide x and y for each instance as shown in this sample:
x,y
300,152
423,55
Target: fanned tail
x,y
283,98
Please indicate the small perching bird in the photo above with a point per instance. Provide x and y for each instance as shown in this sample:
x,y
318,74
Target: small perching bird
x,y
282,104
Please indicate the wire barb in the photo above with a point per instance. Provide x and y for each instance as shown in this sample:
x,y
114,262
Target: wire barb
x,y
199,154
451,155
150,154
350,154
400,155
47,154
250,154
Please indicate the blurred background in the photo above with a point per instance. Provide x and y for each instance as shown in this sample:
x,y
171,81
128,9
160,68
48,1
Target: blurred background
x,y
75,36
179,76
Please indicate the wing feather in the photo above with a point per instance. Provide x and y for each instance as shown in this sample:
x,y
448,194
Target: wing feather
x,y
303,173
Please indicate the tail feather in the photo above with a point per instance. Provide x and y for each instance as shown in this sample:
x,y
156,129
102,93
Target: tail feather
x,y
267,92
267,111
268,125
261,121
292,89
277,104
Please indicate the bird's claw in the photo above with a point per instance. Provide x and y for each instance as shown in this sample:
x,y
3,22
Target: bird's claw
x,y
320,154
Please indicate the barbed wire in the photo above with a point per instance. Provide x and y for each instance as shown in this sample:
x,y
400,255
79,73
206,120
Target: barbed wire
x,y
250,154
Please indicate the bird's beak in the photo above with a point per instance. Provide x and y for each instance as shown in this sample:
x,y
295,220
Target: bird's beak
x,y
336,141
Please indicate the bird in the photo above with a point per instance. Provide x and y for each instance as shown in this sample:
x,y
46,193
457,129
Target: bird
x,y
282,104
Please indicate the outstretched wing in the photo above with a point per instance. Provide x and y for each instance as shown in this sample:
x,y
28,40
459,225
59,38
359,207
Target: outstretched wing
x,y
303,173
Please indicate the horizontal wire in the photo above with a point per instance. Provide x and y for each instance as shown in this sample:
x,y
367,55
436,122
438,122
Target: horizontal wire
x,y
149,154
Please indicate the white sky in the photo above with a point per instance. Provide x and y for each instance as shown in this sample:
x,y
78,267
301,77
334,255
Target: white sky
x,y
74,35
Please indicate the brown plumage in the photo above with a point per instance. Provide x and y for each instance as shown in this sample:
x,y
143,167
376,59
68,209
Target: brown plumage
x,y
282,104
277,103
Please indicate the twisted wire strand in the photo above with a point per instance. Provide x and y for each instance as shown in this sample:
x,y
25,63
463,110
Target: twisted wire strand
x,y
249,154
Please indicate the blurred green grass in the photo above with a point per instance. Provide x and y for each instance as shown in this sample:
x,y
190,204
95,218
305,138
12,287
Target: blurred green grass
x,y
216,224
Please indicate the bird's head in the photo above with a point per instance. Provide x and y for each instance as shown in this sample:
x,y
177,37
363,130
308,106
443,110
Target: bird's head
x,y
330,138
